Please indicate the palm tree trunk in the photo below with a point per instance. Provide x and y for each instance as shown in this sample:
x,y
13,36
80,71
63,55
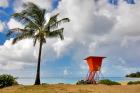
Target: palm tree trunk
x,y
37,80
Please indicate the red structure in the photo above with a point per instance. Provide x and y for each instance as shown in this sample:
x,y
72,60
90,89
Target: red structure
x,y
94,63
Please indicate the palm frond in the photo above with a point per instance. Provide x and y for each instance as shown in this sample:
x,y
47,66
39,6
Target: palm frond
x,y
35,40
54,23
55,33
57,23
9,33
35,13
16,30
31,26
21,17
22,36
53,19
30,5
33,18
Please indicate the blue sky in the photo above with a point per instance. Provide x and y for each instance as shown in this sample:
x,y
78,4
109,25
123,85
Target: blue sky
x,y
99,30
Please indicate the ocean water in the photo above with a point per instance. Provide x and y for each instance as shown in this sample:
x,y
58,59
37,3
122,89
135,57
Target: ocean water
x,y
54,80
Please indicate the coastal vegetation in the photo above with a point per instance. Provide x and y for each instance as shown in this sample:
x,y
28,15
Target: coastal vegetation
x,y
105,82
7,80
133,82
82,82
109,82
134,75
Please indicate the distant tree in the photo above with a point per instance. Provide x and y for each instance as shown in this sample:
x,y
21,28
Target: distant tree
x,y
7,80
36,28
137,74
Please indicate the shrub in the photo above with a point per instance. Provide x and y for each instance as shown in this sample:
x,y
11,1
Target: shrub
x,y
133,82
83,82
7,80
108,82
137,74
44,84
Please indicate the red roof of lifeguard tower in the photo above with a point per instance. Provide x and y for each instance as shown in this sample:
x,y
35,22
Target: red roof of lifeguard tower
x,y
94,57
94,62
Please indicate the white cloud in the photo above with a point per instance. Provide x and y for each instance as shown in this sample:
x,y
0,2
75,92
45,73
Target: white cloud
x,y
46,4
4,3
103,32
14,24
15,56
42,3
111,32
1,26
24,54
13,65
128,40
66,72
60,46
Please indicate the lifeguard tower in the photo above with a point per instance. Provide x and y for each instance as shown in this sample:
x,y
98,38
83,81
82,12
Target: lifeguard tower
x,y
94,64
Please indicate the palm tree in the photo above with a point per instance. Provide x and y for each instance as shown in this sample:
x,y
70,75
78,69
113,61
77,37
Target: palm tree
x,y
36,28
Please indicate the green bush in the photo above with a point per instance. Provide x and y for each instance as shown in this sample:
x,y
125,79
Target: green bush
x,y
44,84
7,80
133,82
108,82
137,75
83,82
